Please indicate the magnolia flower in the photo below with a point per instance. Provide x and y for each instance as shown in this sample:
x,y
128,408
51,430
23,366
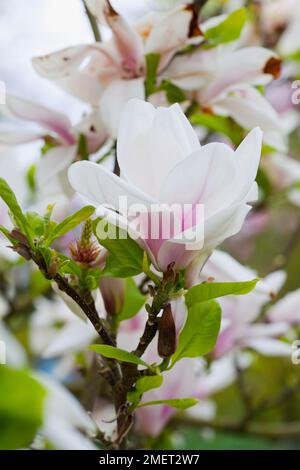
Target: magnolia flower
x,y
162,162
239,328
56,131
63,417
223,79
109,74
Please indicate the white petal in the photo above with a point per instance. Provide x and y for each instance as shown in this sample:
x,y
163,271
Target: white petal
x,y
101,186
55,161
151,142
63,436
114,99
287,309
269,347
248,157
73,337
62,403
208,176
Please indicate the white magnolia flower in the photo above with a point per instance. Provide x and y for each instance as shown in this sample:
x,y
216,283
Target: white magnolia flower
x,y
162,162
109,73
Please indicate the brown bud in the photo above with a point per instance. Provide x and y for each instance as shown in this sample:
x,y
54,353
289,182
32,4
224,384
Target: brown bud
x,y
166,333
22,250
273,67
17,235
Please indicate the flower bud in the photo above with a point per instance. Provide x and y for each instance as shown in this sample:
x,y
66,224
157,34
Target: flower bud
x,y
166,333
113,293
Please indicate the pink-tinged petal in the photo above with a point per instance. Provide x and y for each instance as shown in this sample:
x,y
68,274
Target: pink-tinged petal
x,y
249,108
171,32
210,177
100,186
250,65
114,98
151,142
127,41
268,346
92,127
45,117
286,309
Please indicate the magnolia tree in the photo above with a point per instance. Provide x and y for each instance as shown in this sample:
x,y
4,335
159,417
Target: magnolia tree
x,y
122,324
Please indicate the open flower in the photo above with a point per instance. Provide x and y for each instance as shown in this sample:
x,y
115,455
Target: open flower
x,y
162,162
58,134
223,79
110,73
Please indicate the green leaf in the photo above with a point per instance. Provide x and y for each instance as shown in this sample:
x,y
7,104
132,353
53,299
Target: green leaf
x,y
133,301
21,408
36,222
213,290
126,257
31,178
69,224
152,63
220,124
8,196
179,403
173,92
119,354
143,385
200,332
228,30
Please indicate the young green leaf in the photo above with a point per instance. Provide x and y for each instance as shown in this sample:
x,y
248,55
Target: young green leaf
x,y
228,30
143,385
133,301
21,408
223,125
119,354
152,62
213,290
126,257
200,332
179,403
69,224
8,196
173,92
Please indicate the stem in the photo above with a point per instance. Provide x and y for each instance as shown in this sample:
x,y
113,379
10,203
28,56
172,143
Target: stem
x,y
93,23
